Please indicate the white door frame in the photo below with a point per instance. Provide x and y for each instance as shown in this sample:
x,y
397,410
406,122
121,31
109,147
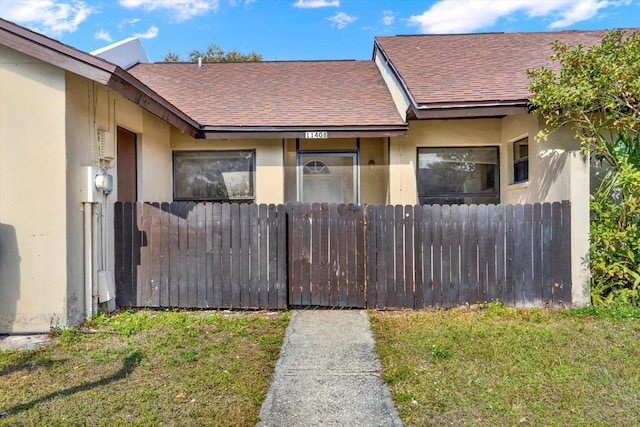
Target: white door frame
x,y
303,156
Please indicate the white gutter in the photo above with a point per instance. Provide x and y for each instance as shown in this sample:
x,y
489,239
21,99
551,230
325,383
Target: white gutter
x,y
473,105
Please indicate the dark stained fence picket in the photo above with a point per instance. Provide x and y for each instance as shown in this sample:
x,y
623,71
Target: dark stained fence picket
x,y
326,255
211,255
200,255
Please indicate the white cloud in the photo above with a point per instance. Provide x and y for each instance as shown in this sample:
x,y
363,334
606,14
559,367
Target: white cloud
x,y
237,2
50,17
388,17
583,10
151,33
341,20
127,22
181,10
103,35
461,16
313,4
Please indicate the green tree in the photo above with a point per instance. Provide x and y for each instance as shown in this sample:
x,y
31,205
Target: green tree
x,y
597,93
171,57
215,54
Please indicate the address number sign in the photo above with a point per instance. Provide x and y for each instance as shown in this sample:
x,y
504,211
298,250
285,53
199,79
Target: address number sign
x,y
316,135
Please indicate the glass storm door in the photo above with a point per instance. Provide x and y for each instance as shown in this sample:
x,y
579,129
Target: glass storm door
x,y
328,177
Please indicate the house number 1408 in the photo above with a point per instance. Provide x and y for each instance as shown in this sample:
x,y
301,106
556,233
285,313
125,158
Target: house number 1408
x,y
316,135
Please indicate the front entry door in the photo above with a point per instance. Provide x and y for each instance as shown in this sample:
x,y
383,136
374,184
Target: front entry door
x,y
330,177
127,166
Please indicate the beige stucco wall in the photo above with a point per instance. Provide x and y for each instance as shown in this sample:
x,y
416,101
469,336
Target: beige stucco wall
x,y
580,217
33,261
373,176
81,150
269,185
155,169
564,175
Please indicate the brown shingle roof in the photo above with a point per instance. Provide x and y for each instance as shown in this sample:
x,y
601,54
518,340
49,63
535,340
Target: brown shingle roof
x,y
275,94
473,68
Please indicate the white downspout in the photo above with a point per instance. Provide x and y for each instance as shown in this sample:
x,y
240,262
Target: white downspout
x,y
94,261
87,207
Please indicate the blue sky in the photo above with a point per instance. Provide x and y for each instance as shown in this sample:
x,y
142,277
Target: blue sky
x,y
300,29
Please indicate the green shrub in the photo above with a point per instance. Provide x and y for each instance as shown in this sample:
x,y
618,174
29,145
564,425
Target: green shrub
x,y
615,239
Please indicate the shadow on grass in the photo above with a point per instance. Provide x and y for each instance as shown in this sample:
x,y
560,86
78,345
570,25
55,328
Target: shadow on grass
x,y
129,364
28,360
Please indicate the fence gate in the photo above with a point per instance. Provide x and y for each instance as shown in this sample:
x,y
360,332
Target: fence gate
x,y
326,255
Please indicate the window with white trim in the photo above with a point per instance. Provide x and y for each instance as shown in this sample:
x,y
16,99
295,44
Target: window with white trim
x,y
328,176
521,160
316,167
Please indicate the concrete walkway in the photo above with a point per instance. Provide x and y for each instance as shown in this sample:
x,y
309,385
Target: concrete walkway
x,y
328,374
22,342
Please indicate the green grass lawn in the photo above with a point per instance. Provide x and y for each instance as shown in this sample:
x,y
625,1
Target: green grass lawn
x,y
146,368
501,367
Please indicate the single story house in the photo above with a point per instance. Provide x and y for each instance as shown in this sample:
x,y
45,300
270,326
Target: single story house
x,y
430,119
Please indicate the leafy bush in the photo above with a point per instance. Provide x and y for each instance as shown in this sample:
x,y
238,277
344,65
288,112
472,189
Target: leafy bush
x,y
615,238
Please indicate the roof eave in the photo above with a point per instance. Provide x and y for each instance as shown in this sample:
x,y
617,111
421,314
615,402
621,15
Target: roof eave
x,y
141,95
394,71
95,69
53,52
320,132
469,110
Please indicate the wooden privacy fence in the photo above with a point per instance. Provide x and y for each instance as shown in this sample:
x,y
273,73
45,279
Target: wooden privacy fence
x,y
332,255
442,256
204,255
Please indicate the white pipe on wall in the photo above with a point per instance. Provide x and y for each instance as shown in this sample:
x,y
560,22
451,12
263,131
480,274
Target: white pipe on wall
x,y
94,260
88,258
